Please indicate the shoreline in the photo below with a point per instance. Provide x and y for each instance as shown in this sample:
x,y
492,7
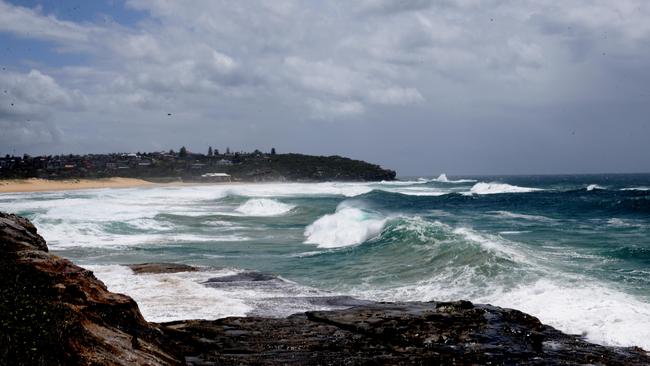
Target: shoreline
x,y
45,185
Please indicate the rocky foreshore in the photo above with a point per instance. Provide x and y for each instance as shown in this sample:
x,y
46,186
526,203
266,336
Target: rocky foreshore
x,y
53,312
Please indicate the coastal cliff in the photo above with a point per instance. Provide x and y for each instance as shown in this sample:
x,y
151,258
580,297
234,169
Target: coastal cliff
x,y
162,167
53,312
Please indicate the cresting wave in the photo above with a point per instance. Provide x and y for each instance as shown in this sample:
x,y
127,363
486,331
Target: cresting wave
x,y
442,178
593,187
347,226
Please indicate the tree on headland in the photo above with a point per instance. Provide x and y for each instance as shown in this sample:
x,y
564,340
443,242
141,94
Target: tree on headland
x,y
272,151
182,152
171,152
210,153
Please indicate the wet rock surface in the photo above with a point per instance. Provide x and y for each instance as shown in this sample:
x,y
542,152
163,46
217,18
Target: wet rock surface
x,y
161,268
53,312
243,277
392,333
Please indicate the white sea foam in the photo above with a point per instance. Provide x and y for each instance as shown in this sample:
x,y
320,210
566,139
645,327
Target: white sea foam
x,y
495,188
592,187
636,189
602,314
172,296
296,189
513,215
175,296
573,305
347,226
90,218
626,223
89,235
264,207
402,182
417,191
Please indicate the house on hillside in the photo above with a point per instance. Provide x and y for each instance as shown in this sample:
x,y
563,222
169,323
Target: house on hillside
x,y
216,177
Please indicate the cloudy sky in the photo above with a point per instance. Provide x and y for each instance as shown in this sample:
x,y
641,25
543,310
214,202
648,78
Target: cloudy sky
x,y
420,86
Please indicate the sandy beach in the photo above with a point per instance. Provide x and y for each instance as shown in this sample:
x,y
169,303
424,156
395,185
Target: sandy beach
x,y
38,185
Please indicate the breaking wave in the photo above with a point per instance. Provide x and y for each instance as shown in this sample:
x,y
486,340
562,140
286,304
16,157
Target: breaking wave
x,y
495,188
347,226
593,187
442,178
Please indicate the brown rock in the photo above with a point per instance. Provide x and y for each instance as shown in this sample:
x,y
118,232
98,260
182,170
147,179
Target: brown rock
x,y
53,312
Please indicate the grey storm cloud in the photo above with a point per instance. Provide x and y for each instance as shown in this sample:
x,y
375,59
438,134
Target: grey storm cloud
x,y
460,86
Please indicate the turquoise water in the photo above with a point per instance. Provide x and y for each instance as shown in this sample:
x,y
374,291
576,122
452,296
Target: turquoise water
x,y
572,250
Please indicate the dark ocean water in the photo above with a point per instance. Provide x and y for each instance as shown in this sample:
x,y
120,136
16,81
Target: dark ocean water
x,y
572,250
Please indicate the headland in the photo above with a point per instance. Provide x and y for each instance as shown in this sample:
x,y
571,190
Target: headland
x,y
184,166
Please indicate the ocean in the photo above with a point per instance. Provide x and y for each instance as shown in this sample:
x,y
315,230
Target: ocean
x,y
572,250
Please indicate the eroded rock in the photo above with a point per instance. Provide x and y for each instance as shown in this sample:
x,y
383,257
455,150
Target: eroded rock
x,y
53,312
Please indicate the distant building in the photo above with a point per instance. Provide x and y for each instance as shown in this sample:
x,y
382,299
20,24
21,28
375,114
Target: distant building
x,y
54,165
216,177
145,162
224,162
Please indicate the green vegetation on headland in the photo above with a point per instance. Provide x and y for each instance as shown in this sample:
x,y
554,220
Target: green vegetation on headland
x,y
162,166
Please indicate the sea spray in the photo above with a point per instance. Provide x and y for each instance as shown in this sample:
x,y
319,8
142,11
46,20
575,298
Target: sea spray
x,y
264,207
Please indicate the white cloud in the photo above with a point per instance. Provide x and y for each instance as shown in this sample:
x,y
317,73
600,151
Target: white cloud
x,y
333,109
392,6
225,66
396,96
28,102
32,24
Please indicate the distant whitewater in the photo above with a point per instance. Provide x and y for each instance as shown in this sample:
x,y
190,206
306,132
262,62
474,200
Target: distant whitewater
x,y
264,207
442,178
573,251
